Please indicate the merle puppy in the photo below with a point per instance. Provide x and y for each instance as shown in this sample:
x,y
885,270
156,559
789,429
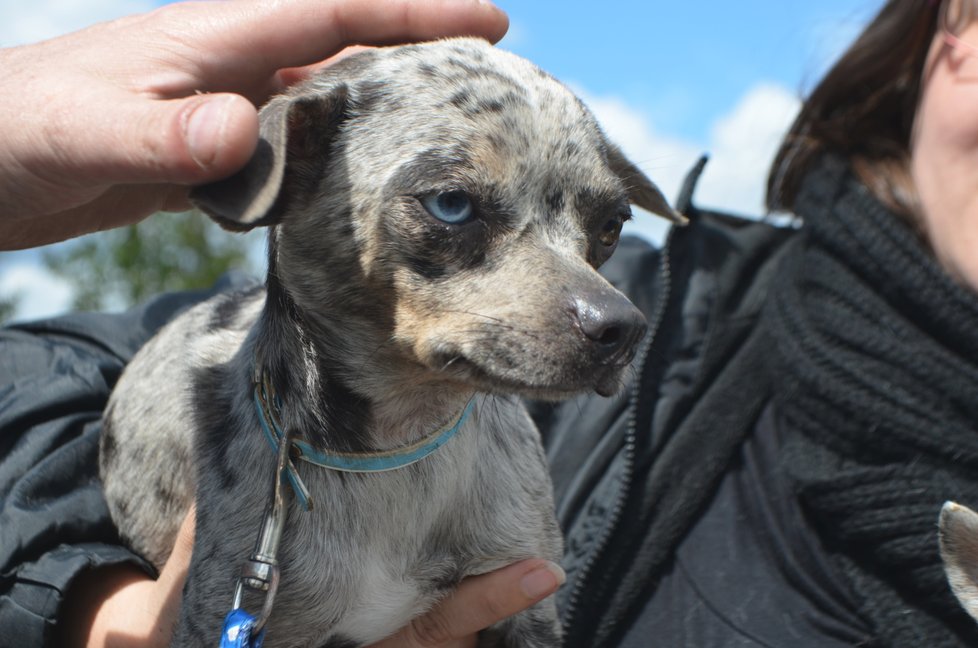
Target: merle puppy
x,y
436,216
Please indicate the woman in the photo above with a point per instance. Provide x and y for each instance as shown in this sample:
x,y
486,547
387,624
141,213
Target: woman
x,y
802,409
808,402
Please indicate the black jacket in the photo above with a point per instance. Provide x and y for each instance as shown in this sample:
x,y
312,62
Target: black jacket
x,y
694,506
634,474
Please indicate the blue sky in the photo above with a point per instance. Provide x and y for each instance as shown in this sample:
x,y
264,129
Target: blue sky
x,y
684,63
668,81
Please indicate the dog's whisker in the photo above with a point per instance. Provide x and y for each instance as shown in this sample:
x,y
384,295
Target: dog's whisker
x,y
475,314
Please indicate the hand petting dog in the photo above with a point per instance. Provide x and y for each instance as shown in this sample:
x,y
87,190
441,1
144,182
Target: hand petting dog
x,y
103,127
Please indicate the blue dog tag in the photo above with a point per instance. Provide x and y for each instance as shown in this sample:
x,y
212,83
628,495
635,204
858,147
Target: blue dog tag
x,y
238,625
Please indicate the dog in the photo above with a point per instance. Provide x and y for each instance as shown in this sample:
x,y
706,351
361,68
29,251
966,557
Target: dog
x,y
436,216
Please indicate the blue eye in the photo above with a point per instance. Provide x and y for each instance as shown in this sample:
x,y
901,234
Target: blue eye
x,y
450,207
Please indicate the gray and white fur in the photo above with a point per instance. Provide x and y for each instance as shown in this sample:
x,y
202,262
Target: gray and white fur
x,y
379,320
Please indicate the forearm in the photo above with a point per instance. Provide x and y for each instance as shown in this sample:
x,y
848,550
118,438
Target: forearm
x,y
122,607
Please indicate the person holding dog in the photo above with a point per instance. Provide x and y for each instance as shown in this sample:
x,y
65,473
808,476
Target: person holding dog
x,y
804,407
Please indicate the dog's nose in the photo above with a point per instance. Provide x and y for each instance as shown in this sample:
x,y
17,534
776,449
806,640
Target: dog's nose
x,y
609,321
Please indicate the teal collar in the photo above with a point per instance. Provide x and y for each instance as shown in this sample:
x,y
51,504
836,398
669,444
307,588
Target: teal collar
x,y
358,462
381,461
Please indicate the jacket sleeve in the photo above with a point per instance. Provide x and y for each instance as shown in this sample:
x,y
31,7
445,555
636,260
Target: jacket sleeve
x,y
55,378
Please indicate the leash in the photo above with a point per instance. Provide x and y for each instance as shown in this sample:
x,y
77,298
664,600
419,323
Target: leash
x,y
261,571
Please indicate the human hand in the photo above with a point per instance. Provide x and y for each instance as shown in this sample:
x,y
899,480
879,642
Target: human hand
x,y
121,607
477,603
107,125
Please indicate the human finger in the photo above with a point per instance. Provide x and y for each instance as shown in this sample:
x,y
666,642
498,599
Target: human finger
x,y
479,602
179,560
290,76
242,40
169,587
189,140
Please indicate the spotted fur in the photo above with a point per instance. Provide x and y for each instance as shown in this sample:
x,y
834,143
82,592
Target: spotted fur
x,y
377,323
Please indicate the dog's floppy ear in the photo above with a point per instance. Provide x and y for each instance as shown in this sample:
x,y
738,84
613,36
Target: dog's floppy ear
x,y
291,130
959,551
641,191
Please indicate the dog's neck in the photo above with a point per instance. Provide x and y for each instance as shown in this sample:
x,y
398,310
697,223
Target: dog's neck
x,y
340,399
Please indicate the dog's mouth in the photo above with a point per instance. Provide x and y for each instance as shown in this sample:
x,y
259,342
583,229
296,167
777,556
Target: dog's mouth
x,y
583,348
603,380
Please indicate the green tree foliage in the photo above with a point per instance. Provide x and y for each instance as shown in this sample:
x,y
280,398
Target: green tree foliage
x,y
8,306
164,252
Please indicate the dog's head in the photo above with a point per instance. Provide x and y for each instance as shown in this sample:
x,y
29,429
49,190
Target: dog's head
x,y
446,205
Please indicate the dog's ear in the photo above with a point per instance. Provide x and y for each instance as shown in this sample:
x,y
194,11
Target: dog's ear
x,y
641,191
293,131
959,550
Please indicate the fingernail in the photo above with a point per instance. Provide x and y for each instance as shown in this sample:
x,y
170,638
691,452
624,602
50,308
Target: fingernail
x,y
205,130
543,580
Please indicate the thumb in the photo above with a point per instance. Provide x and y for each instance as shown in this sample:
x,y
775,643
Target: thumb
x,y
178,563
168,590
220,133
181,141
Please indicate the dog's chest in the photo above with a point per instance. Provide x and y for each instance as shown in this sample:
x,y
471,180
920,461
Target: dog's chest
x,y
370,560
380,549
381,602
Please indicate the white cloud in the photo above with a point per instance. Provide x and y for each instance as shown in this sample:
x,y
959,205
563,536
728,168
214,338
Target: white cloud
x,y
741,146
41,293
28,22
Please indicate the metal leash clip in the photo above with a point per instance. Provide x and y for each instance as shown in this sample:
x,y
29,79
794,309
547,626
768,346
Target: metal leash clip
x,y
260,571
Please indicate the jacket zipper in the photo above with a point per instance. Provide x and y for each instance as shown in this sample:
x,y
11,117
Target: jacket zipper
x,y
628,468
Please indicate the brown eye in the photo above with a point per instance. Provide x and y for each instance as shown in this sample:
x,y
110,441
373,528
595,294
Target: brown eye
x,y
610,231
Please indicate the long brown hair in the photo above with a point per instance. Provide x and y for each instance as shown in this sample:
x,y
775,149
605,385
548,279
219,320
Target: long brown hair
x,y
864,109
